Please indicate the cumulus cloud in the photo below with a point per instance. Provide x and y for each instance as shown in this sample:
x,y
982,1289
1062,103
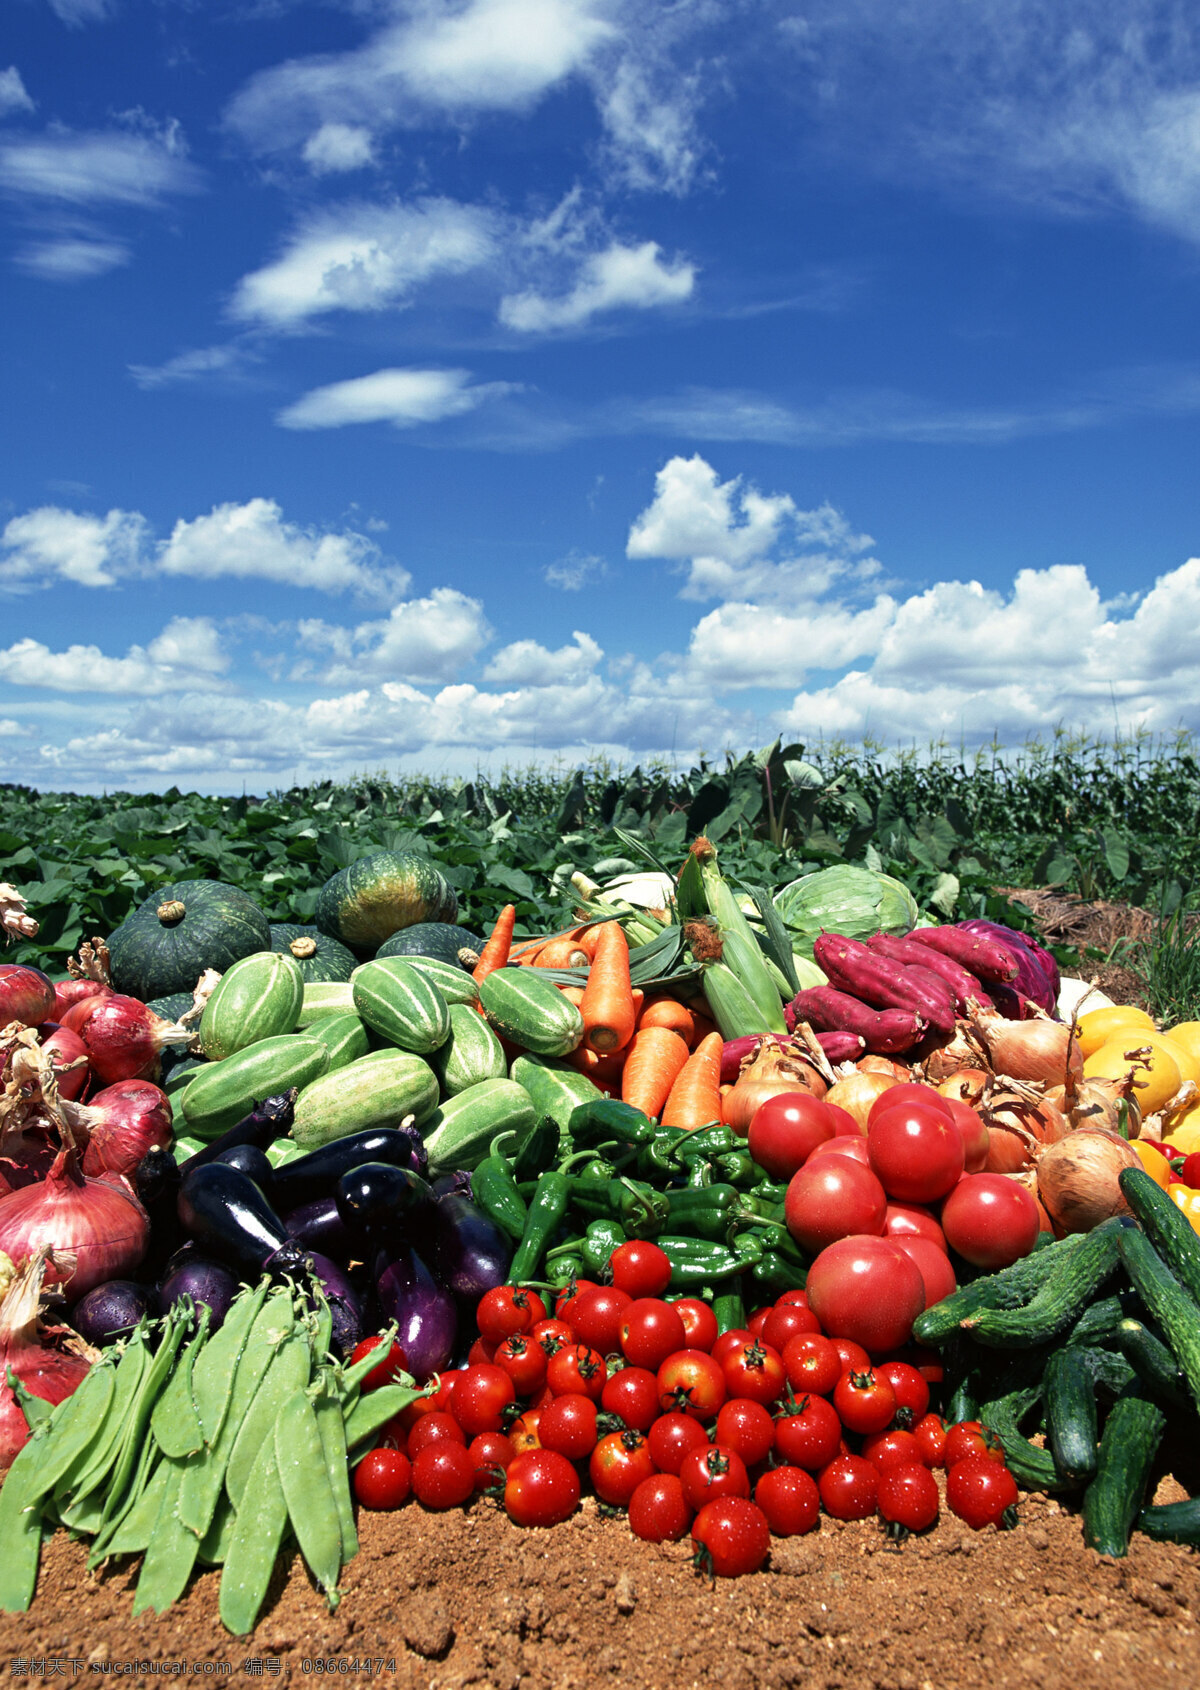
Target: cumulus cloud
x,y
112,167
187,654
50,543
402,397
527,663
338,147
13,94
426,639
620,277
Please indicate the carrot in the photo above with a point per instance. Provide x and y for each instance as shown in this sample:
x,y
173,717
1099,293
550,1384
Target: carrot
x,y
574,993
495,953
655,1060
639,1000
704,1027
589,937
604,1069
695,1098
669,1012
607,1007
562,953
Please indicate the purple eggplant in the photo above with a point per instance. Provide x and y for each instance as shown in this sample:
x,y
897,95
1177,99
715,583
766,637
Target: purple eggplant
x,y
343,1300
307,1177
110,1311
468,1252
456,1184
228,1216
252,1162
318,1226
378,1202
206,1282
267,1121
423,1310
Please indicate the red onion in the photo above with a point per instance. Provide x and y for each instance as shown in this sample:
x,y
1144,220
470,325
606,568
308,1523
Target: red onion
x,y
26,994
67,993
123,1122
44,1371
65,1049
122,1037
96,1229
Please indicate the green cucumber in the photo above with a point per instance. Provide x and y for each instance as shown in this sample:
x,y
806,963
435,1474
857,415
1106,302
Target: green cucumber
x,y
472,1052
1167,1228
531,1012
1172,1522
1113,1500
1011,1288
376,1091
345,1036
1072,1427
1171,1306
460,1133
1153,1361
222,1092
555,1089
258,998
325,997
1072,1283
400,1003
1098,1323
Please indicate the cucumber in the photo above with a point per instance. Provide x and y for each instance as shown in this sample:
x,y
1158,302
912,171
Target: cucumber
x,y
1113,1500
1072,1283
531,1012
1172,1522
345,1036
454,983
222,1092
400,1003
1031,1467
460,1133
325,997
257,998
1011,1288
1072,1427
472,1052
378,1091
1174,1310
1099,1323
1153,1361
1171,1234
554,1088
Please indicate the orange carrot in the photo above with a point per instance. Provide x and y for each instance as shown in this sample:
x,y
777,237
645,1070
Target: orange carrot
x,y
495,953
639,1000
704,1027
695,1098
575,993
603,1069
589,937
655,1061
562,953
669,1012
607,1007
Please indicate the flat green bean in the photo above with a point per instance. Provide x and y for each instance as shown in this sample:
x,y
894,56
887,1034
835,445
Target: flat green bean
x,y
289,1371
312,1511
212,1375
372,1412
20,1532
96,1460
171,1551
253,1546
155,1377
130,1535
214,1545
71,1428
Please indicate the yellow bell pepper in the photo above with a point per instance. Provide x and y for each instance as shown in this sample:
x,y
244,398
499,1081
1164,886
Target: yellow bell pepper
x,y
1187,1202
1154,1162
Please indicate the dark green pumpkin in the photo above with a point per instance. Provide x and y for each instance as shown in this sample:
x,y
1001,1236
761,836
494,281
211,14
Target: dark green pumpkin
x,y
172,1007
180,930
440,939
364,904
319,956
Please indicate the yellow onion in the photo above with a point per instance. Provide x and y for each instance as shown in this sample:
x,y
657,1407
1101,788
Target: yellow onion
x,y
771,1070
1098,1103
1037,1050
857,1092
966,1084
1019,1123
872,1064
963,1049
1077,1178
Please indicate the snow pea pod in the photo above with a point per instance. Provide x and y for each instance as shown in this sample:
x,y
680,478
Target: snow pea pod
x,y
288,1372
174,1423
254,1546
300,1458
171,1551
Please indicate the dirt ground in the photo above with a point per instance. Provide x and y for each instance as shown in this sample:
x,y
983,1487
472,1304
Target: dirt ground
x,y
444,1601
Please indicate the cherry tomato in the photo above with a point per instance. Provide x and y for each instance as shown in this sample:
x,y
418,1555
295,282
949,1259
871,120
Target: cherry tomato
x,y
980,1492
908,1496
524,1360
799,1297
673,1437
390,1364
755,1370
788,1322
758,1320
597,1315
632,1395
577,1370
658,1511
618,1464
383,1479
930,1433
729,1341
746,1426
864,1401
867,1289
565,1303
786,1129
436,1403
789,1498
507,1309
968,1439
809,1436
541,1489
650,1331
1190,1172
912,1393
812,1363
552,1335
481,1351
699,1322
902,1096
491,1452
990,1220
734,1535
443,1476
832,1197
849,1487
691,1382
429,1428
896,1448
640,1268
712,1472
568,1425
525,1433
853,1355
480,1398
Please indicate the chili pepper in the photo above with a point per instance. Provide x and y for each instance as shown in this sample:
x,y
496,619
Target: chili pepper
x,y
599,1242
495,1192
546,1211
730,1310
706,1212
596,1170
538,1150
607,1118
641,1210
708,1141
769,1191
774,1276
695,1264
564,1270
775,1241
656,1160
738,1168
699,1174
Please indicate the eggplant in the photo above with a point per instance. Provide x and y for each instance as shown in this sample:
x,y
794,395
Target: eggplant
x,y
467,1251
110,1311
156,1180
228,1215
423,1310
315,1175
206,1282
252,1162
375,1200
343,1300
456,1184
267,1121
318,1226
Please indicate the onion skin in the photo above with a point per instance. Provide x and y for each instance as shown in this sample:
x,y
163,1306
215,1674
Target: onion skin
x,y
772,1070
123,1038
44,1371
26,995
96,1228
1078,1178
67,993
1038,1050
69,1059
123,1123
856,1094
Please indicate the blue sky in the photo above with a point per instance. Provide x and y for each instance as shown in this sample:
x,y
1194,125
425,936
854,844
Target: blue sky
x,y
443,383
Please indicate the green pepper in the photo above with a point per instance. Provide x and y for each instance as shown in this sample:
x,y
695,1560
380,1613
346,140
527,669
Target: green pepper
x,y
707,1212
538,1150
606,1119
547,1210
699,1174
738,1168
774,1276
561,1272
695,1264
596,1170
769,1191
730,1311
599,1242
639,1208
495,1191
708,1141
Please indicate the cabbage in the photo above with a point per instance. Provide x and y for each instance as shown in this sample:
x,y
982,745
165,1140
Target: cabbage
x,y
854,902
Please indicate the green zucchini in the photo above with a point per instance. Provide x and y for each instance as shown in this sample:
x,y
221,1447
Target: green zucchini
x,y
257,998
554,1088
459,1134
345,1036
1172,1522
222,1092
1072,1426
1071,1284
378,1091
325,997
400,1003
1011,1288
472,1052
1174,1310
531,1012
1167,1228
1113,1500
1153,1361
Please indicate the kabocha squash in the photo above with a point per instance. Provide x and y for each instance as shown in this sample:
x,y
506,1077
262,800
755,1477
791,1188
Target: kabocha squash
x,y
441,940
364,904
180,930
320,956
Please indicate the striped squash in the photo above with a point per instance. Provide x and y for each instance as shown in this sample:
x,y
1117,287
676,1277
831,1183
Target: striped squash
x,y
376,1091
459,1134
472,1052
530,1011
553,1088
222,1092
258,998
345,1036
400,1003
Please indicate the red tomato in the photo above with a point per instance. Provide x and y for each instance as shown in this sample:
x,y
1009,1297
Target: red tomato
x,y
832,1198
1190,1171
541,1489
699,1322
786,1129
787,1322
933,1264
658,1510
443,1476
867,1289
383,1479
974,1133
811,1363
429,1428
618,1464
980,1492
481,1351
492,1453
712,1472
787,1298
916,1151
913,1220
729,1341
640,1268
891,1449
747,1427
691,1382
568,1425
480,1398
809,1436
990,1220
908,1496
734,1535
755,1370
912,1393
930,1433
650,1331
905,1094
505,1310
672,1437
393,1362
525,1432
567,1296
632,1394
851,1145
864,1402
970,1440
552,1335
524,1360
597,1315
577,1369
758,1320
849,1487
852,1355
437,1403
789,1498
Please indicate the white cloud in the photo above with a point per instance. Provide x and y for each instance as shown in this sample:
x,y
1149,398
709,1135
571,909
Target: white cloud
x,y
10,729
337,147
649,112
757,645
621,277
113,167
79,12
186,654
188,366
50,542
575,571
72,258
364,258
253,541
527,663
427,639
13,94
401,397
